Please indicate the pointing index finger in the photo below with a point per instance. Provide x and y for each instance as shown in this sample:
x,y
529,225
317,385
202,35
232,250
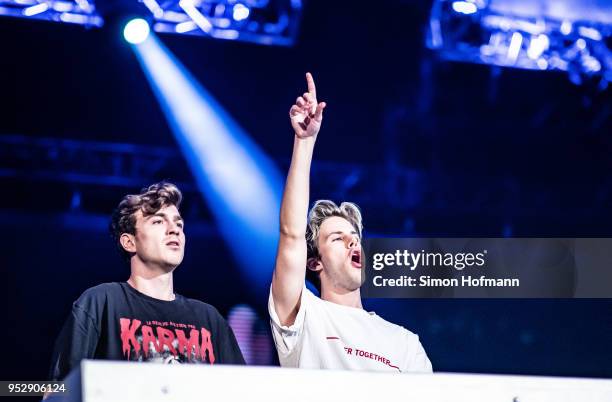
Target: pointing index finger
x,y
311,85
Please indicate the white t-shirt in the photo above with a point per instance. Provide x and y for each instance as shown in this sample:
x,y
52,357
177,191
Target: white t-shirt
x,y
332,336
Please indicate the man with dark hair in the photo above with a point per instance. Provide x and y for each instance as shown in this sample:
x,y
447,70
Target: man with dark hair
x,y
333,331
143,319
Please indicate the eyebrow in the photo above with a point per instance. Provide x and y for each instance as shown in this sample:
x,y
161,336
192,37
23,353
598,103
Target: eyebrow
x,y
162,215
338,232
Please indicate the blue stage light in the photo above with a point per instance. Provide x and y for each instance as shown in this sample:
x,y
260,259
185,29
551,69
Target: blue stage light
x,y
464,7
566,27
590,33
34,10
240,183
537,45
591,64
536,35
258,21
240,12
515,47
136,31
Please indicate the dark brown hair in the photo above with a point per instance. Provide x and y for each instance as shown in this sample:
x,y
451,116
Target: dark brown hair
x,y
150,200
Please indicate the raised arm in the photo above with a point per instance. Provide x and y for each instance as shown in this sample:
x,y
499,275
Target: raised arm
x,y
290,270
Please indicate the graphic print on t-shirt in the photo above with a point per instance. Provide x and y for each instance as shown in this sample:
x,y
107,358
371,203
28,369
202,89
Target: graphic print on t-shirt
x,y
165,342
363,354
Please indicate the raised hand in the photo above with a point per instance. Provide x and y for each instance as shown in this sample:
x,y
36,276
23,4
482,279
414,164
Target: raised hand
x,y
306,114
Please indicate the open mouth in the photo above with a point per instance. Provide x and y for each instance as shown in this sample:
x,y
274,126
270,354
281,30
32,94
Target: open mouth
x,y
173,243
356,259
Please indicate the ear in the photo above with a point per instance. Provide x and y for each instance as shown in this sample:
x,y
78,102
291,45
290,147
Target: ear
x,y
314,264
128,242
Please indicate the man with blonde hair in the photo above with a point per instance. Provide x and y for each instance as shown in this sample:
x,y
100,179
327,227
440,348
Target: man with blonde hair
x,y
143,319
333,331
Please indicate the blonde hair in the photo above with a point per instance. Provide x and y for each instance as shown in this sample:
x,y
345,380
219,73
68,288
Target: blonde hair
x,y
321,210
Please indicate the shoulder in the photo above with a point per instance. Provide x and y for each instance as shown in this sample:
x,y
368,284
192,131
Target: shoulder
x,y
99,292
94,301
307,299
309,296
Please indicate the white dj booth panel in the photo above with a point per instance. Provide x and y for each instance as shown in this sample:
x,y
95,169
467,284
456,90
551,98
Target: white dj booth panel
x,y
105,381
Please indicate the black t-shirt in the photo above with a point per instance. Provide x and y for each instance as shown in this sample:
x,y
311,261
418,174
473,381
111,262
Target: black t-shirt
x,y
115,321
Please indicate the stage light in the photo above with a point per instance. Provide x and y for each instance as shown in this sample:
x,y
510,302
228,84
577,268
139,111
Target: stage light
x,y
515,47
240,183
185,27
73,18
464,7
37,9
532,35
258,21
62,6
590,33
136,31
566,27
542,64
194,13
591,64
537,46
154,7
84,5
240,12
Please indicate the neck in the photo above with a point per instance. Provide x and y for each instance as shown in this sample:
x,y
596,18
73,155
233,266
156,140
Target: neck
x,y
343,297
154,283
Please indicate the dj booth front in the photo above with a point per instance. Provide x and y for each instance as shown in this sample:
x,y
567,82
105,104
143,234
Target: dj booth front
x,y
106,381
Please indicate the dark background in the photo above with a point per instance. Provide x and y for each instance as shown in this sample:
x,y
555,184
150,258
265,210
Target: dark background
x,y
486,151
